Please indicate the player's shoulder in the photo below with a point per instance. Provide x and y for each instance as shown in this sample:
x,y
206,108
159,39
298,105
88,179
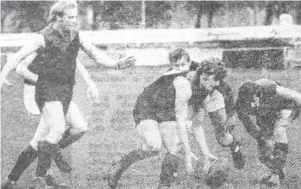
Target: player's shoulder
x,y
36,41
265,82
224,86
268,86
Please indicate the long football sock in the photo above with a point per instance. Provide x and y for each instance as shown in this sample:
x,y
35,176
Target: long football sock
x,y
169,167
126,161
27,156
278,162
46,150
69,138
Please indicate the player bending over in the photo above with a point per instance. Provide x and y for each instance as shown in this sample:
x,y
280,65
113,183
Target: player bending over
x,y
160,114
274,107
210,94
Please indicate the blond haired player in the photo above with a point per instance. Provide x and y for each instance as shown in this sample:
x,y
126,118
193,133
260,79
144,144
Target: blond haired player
x,y
57,47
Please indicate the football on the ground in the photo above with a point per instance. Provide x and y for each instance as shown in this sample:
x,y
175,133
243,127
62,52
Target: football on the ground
x,y
218,173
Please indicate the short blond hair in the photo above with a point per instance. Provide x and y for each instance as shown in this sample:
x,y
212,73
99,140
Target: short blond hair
x,y
58,8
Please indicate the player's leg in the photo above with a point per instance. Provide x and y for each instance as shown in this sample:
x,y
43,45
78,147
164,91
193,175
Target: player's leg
x,y
27,156
29,99
215,106
53,115
78,126
149,131
171,161
276,160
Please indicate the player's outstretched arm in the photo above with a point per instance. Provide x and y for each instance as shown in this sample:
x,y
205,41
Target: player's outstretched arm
x,y
102,58
201,139
289,94
183,94
92,90
26,50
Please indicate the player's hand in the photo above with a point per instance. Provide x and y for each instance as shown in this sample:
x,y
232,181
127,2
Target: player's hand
x,y
126,62
208,159
5,81
92,92
189,157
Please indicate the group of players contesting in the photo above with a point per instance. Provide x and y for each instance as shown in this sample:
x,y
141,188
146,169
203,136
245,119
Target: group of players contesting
x,y
164,112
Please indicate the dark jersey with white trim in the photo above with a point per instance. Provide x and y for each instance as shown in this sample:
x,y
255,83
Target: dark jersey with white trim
x,y
157,101
57,61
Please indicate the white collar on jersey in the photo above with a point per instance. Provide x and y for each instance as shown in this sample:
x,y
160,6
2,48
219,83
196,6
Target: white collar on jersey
x,y
171,72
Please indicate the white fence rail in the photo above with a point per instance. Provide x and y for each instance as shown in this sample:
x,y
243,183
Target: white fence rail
x,y
146,36
154,56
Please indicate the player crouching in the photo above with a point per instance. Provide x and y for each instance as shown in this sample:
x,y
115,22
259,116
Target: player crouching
x,y
275,107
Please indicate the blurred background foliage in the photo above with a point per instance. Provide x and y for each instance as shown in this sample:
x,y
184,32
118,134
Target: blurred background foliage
x,y
31,16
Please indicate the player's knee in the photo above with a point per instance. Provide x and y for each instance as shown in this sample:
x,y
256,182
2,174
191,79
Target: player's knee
x,y
155,145
154,142
59,129
82,128
280,135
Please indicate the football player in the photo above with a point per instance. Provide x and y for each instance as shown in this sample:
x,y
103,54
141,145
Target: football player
x,y
274,107
76,128
210,94
57,46
161,117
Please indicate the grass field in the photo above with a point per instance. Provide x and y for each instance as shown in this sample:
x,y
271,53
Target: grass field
x,y
112,133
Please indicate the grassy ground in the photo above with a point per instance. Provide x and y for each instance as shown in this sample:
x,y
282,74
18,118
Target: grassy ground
x,y
112,133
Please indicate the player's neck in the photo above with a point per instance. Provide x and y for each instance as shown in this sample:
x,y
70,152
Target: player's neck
x,y
62,31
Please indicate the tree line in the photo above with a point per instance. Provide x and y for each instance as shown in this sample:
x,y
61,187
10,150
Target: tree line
x,y
31,16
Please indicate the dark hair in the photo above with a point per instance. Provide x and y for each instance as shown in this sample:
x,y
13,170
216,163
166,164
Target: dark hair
x,y
248,89
212,66
176,54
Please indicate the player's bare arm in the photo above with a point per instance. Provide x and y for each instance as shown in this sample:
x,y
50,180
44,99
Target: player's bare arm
x,y
289,94
26,50
97,55
92,90
22,68
102,58
183,94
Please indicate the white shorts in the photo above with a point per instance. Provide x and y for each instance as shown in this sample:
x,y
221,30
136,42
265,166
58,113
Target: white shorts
x,y
29,99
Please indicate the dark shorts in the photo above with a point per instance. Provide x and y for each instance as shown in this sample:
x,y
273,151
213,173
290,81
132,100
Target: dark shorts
x,y
48,92
144,110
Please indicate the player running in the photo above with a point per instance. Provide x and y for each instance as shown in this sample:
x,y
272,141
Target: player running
x,y
77,125
57,47
161,117
274,107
